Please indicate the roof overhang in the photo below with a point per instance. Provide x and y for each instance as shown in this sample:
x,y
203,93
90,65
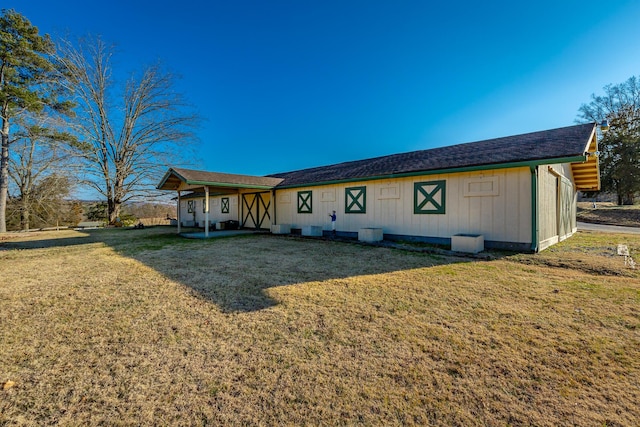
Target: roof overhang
x,y
586,174
177,179
577,160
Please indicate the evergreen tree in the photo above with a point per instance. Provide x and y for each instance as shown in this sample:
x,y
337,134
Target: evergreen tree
x,y
620,146
28,82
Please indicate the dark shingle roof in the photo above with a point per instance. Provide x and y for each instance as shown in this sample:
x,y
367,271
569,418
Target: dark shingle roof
x,y
226,178
559,143
195,177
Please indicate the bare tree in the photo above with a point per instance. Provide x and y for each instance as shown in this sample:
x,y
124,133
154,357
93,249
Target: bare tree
x,y
128,139
48,204
40,150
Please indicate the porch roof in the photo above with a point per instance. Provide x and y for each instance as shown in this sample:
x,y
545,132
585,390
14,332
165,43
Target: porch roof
x,y
193,180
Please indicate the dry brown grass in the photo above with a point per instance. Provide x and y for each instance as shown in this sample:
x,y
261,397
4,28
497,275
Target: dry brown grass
x,y
138,327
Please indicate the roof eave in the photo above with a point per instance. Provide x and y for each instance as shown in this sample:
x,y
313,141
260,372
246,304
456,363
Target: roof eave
x,y
230,185
166,177
528,163
191,183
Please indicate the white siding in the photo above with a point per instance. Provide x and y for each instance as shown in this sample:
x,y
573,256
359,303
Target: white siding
x,y
494,203
557,201
215,210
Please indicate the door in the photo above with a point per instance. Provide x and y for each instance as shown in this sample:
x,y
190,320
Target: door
x,y
565,208
255,210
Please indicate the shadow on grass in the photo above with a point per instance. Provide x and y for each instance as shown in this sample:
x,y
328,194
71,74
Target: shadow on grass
x,y
35,243
235,272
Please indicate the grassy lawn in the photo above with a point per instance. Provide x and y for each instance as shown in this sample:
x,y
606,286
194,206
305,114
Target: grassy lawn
x,y
140,327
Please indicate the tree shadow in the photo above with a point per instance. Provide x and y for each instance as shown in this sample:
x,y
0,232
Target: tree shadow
x,y
39,243
236,272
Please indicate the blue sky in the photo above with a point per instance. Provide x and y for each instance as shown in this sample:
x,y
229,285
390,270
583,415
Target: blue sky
x,y
285,85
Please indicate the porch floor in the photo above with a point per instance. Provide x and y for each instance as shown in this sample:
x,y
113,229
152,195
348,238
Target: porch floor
x,y
219,233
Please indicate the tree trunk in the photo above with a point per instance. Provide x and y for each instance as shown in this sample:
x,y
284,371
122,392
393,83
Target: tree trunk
x,y
114,207
115,204
4,171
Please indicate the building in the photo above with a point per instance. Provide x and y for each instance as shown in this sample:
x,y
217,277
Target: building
x,y
517,192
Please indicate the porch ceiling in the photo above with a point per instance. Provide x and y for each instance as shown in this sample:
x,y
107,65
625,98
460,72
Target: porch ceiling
x,y
586,175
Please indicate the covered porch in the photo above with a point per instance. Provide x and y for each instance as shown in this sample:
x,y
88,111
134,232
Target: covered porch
x,y
242,198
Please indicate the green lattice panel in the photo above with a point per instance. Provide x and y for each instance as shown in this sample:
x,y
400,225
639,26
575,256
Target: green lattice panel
x,y
355,200
429,197
305,202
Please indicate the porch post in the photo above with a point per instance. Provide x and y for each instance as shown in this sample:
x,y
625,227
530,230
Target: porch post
x,y
272,208
179,219
206,211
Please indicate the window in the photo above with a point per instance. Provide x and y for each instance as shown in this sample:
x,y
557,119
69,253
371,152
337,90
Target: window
x,y
429,197
304,202
224,205
191,206
204,205
355,200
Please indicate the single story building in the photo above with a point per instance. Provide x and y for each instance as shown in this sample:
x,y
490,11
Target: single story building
x,y
518,192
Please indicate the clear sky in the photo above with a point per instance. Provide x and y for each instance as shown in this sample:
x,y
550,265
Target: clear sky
x,y
285,85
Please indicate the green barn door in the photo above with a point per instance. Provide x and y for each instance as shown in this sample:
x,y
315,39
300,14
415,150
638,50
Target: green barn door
x,y
255,210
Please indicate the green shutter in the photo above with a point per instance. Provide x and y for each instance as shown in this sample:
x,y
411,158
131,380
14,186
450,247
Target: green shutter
x,y
304,202
224,205
355,200
429,197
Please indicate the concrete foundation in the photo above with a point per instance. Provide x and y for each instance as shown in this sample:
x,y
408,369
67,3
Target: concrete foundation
x,y
370,235
312,231
281,228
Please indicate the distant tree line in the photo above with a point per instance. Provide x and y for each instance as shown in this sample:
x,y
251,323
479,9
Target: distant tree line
x,y
131,212
65,124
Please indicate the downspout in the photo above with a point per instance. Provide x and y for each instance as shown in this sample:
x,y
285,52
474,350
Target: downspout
x,y
534,209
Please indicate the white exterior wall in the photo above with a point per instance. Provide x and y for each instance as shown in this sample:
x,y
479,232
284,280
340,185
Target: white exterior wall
x,y
495,203
557,204
215,209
